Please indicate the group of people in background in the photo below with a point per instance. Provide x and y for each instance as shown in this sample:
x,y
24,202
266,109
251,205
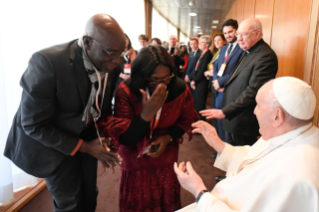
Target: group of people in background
x,y
65,122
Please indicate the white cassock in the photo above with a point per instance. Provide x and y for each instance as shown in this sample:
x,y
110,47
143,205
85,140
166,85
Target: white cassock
x,y
280,174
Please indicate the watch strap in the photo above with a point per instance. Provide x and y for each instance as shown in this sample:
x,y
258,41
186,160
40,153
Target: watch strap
x,y
200,195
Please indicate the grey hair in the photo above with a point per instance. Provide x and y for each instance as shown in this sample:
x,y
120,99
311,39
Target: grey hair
x,y
207,38
257,25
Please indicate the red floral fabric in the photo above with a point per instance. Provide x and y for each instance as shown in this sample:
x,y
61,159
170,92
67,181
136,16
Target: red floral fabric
x,y
149,184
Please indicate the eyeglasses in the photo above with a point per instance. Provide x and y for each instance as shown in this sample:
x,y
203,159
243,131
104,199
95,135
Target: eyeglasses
x,y
166,79
109,53
243,34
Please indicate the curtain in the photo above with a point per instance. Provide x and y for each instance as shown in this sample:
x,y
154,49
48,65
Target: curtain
x,y
29,26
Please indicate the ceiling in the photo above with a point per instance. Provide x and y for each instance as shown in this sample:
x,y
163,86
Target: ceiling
x,y
177,11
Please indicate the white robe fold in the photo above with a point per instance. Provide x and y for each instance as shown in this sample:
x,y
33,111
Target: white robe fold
x,y
282,174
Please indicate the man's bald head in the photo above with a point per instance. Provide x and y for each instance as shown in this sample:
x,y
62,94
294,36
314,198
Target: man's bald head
x,y
253,24
249,33
103,24
103,35
172,40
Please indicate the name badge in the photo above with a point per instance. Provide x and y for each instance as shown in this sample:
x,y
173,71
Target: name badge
x,y
210,67
221,70
127,68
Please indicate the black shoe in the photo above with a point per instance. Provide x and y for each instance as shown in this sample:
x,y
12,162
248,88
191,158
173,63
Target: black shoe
x,y
214,155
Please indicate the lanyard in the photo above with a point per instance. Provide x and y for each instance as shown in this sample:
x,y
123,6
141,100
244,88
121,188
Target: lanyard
x,y
155,120
200,59
97,102
127,58
97,94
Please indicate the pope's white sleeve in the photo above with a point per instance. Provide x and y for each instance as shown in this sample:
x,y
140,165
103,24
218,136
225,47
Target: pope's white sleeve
x,y
208,202
302,196
230,158
285,196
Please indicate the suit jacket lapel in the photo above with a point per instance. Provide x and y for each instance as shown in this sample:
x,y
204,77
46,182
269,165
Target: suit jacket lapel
x,y
79,72
237,48
242,63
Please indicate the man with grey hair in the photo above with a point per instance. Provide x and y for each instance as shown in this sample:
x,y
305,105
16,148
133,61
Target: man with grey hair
x,y
257,65
279,172
199,82
66,90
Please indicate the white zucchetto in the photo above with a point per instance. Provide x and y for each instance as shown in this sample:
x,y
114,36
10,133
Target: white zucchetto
x,y
295,96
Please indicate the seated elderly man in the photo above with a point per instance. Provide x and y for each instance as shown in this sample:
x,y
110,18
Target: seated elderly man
x,y
280,172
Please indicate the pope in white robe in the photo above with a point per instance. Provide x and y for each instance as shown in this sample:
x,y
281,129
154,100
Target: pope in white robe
x,y
280,172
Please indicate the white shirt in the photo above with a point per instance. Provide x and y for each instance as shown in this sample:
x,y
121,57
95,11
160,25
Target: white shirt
x,y
286,178
234,46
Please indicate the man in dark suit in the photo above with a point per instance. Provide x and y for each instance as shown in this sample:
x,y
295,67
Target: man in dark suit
x,y
194,56
175,53
198,80
257,65
53,135
224,66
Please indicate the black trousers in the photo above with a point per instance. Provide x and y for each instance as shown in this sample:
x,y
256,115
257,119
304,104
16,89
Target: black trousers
x,y
73,184
201,93
239,140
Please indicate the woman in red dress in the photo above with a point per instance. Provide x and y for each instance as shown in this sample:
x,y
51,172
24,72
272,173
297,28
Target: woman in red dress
x,y
153,109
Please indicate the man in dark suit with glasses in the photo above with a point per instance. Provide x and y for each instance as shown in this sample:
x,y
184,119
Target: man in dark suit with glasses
x,y
66,90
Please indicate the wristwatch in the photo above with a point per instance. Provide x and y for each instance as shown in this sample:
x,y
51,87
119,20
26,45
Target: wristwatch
x,y
200,195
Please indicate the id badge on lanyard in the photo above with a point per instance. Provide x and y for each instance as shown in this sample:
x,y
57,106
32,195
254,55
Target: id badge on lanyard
x,y
221,70
223,67
127,68
127,65
153,124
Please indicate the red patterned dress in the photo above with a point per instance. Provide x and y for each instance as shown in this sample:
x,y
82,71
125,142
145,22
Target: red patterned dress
x,y
149,184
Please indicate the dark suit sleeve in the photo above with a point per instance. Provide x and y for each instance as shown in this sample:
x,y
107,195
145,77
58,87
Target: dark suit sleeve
x,y
217,66
178,59
202,67
38,106
223,79
265,69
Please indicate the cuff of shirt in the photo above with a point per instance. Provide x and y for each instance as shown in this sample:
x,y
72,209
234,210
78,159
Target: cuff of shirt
x,y
176,132
223,159
77,147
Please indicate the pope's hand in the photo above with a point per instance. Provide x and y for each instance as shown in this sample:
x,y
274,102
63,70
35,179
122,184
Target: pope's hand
x,y
212,114
188,178
210,135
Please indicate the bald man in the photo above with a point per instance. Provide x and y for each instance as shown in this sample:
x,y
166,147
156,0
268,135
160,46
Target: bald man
x,y
257,65
54,133
279,172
